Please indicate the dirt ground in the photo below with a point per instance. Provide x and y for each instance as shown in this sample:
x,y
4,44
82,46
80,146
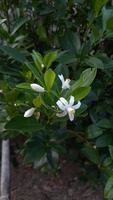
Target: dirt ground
x,y
30,184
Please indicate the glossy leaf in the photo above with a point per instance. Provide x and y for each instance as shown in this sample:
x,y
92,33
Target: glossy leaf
x,y
49,58
81,92
49,78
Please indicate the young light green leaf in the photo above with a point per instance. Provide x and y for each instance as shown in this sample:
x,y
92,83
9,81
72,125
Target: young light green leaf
x,y
23,86
49,58
81,92
49,78
38,60
37,101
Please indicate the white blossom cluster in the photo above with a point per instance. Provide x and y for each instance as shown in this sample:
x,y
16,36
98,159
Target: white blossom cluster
x,y
65,107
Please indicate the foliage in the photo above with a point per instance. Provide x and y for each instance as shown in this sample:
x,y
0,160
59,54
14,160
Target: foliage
x,y
41,40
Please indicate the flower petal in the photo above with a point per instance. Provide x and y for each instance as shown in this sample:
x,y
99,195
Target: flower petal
x,y
71,101
64,101
61,77
37,87
62,114
29,112
60,105
66,84
71,116
77,106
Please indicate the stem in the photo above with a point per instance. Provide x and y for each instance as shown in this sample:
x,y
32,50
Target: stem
x,y
5,171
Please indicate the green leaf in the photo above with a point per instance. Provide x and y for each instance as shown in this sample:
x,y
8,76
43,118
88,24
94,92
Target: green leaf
x,y
80,93
35,71
14,53
104,123
108,191
23,124
66,57
94,131
38,60
94,62
49,78
49,58
107,15
111,151
110,23
71,41
37,101
106,162
11,96
19,23
85,80
99,4
34,149
96,34
104,140
91,154
23,86
41,32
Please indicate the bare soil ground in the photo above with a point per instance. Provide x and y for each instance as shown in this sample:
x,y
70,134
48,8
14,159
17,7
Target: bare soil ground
x,y
30,184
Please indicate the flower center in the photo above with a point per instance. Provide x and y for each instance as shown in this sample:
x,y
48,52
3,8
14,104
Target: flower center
x,y
71,110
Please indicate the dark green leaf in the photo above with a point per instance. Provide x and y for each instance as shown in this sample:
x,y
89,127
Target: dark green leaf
x,y
19,23
94,131
104,140
21,123
34,149
91,154
111,151
94,62
104,123
108,191
14,53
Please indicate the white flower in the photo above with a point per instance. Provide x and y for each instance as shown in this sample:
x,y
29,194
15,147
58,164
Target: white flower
x,y
65,83
37,87
67,107
30,112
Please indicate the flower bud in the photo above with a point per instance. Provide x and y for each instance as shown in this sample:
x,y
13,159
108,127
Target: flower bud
x,y
37,87
30,112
